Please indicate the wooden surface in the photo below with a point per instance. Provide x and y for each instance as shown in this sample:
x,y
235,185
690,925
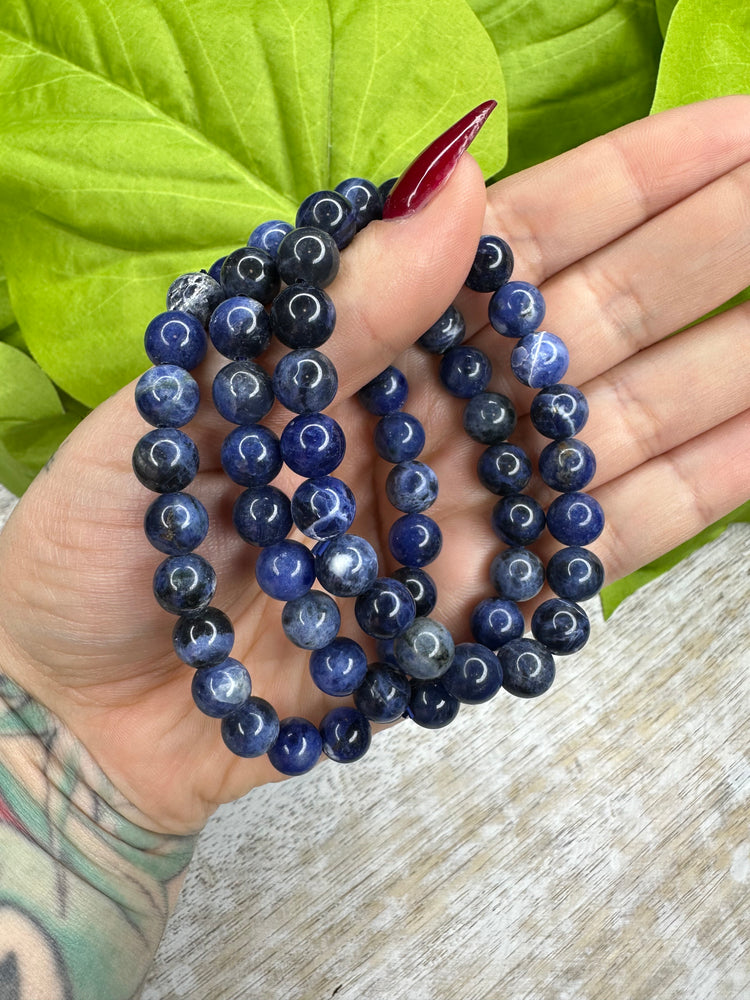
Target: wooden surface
x,y
589,845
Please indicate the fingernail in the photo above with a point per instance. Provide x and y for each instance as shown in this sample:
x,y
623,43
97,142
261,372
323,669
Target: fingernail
x,y
426,174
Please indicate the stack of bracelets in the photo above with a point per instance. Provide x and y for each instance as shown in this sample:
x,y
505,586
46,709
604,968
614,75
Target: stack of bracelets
x,y
420,674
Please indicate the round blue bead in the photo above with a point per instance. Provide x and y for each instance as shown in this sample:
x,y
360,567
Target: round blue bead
x,y
567,465
197,293
285,570
215,269
305,381
415,540
346,735
176,338
184,584
575,519
517,519
338,668
303,316
504,469
323,507
240,328
167,396
220,689
203,639
385,609
175,523
252,272
517,574
424,649
165,460
383,695
465,371
445,333
386,393
364,198
313,444
385,652
420,585
242,392
492,267
297,748
307,254
516,308
252,729
411,487
430,705
495,622
262,516
489,418
311,621
268,235
562,626
575,573
399,437
528,668
385,187
330,212
539,359
475,675
346,566
251,455
559,410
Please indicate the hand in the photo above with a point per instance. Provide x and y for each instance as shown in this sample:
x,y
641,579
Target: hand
x,y
632,236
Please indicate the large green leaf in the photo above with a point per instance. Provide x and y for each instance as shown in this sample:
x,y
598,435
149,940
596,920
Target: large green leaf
x,y
664,10
143,138
573,69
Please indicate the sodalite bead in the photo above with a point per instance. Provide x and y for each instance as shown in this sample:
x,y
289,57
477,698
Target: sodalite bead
x,y
385,609
516,308
252,272
346,735
346,565
303,316
385,188
517,519
307,254
262,516
312,620
176,338
385,652
575,573
252,729
559,410
323,507
203,639
339,667
285,570
305,381
575,519
242,392
424,649
415,540
411,487
251,456
528,668
420,585
165,460
504,469
167,396
489,418
492,267
240,328
517,574
495,622
215,269
332,213
474,675
364,198
176,523
221,689
184,584
384,694
445,333
197,293
385,393
465,371
399,437
430,705
539,359
567,465
297,748
562,626
268,235
313,444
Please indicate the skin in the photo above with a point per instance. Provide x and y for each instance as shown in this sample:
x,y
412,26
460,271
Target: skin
x,y
630,237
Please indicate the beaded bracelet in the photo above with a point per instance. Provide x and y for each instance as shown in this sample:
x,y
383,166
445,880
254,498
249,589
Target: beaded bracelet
x,y
420,673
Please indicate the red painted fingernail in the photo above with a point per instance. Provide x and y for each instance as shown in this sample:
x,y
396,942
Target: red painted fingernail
x,y
425,175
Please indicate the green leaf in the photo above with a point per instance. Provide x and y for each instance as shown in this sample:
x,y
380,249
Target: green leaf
x,y
573,69
144,139
7,317
664,10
